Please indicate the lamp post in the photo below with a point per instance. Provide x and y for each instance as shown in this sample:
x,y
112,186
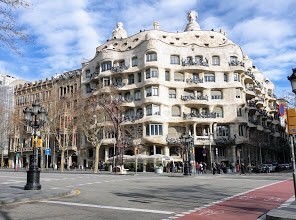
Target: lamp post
x,y
187,142
35,118
292,79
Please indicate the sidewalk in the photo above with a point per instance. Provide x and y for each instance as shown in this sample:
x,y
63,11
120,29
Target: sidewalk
x,y
283,213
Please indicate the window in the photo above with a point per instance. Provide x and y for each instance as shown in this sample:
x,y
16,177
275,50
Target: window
x,y
195,77
222,130
179,77
106,81
106,66
239,111
151,73
135,61
131,79
172,93
88,88
194,111
87,74
225,77
198,59
167,76
151,91
138,95
216,61
221,151
151,56
139,77
241,130
219,112
216,94
153,129
237,93
176,111
175,59
152,110
233,59
209,77
236,77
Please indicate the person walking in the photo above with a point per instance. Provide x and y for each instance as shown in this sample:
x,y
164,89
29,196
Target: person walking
x,y
214,167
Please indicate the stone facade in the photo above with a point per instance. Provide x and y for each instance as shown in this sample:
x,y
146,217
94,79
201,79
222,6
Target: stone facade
x,y
196,82
66,85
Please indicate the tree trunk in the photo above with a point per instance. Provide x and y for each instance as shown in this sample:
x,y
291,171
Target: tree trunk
x,y
2,158
96,159
62,160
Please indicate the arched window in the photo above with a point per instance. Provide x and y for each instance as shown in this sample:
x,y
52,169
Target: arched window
x,y
219,112
215,60
151,56
176,111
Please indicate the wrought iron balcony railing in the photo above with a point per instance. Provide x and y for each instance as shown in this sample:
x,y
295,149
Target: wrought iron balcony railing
x,y
193,97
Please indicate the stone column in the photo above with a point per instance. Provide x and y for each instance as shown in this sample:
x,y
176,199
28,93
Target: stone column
x,y
233,149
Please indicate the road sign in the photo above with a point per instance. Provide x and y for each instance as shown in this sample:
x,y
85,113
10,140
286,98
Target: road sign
x,y
291,118
47,151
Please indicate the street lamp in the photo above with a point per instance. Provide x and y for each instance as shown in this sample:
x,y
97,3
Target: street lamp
x,y
35,118
292,79
187,142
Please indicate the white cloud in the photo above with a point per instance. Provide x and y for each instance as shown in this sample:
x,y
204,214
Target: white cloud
x,y
65,30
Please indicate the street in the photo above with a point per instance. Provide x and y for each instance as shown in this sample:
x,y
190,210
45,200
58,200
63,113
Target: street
x,y
149,196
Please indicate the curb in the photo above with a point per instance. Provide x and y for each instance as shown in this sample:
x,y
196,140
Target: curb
x,y
38,197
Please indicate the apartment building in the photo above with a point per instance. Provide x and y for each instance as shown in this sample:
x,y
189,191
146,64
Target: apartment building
x,y
59,91
197,82
7,84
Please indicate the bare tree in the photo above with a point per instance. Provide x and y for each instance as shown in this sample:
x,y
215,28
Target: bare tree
x,y
92,120
9,32
61,123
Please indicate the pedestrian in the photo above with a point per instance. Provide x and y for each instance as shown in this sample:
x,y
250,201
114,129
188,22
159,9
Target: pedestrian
x,y
204,167
201,168
214,167
101,165
197,167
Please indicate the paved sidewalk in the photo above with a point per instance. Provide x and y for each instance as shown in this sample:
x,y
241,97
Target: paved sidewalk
x,y
283,213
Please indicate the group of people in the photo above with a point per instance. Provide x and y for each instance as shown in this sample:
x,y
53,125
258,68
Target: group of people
x,y
200,167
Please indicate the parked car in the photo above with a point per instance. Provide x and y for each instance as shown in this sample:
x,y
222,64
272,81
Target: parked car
x,y
267,168
284,166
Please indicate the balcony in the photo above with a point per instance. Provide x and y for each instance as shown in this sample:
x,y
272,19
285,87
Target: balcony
x,y
190,62
173,140
250,74
195,80
132,118
118,84
224,140
199,115
193,97
119,69
236,63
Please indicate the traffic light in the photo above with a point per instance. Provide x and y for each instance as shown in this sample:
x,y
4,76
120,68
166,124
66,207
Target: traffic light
x,y
39,142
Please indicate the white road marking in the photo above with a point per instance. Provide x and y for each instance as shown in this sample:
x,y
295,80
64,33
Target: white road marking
x,y
109,207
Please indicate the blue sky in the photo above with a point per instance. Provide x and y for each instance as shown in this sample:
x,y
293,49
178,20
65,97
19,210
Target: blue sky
x,y
63,33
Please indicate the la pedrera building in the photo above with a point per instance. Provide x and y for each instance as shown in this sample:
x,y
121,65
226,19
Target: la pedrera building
x,y
192,96
198,83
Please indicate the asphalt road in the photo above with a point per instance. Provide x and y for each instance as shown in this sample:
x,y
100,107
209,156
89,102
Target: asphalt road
x,y
133,197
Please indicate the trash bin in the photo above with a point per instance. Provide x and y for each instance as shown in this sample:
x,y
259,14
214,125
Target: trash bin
x,y
110,168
